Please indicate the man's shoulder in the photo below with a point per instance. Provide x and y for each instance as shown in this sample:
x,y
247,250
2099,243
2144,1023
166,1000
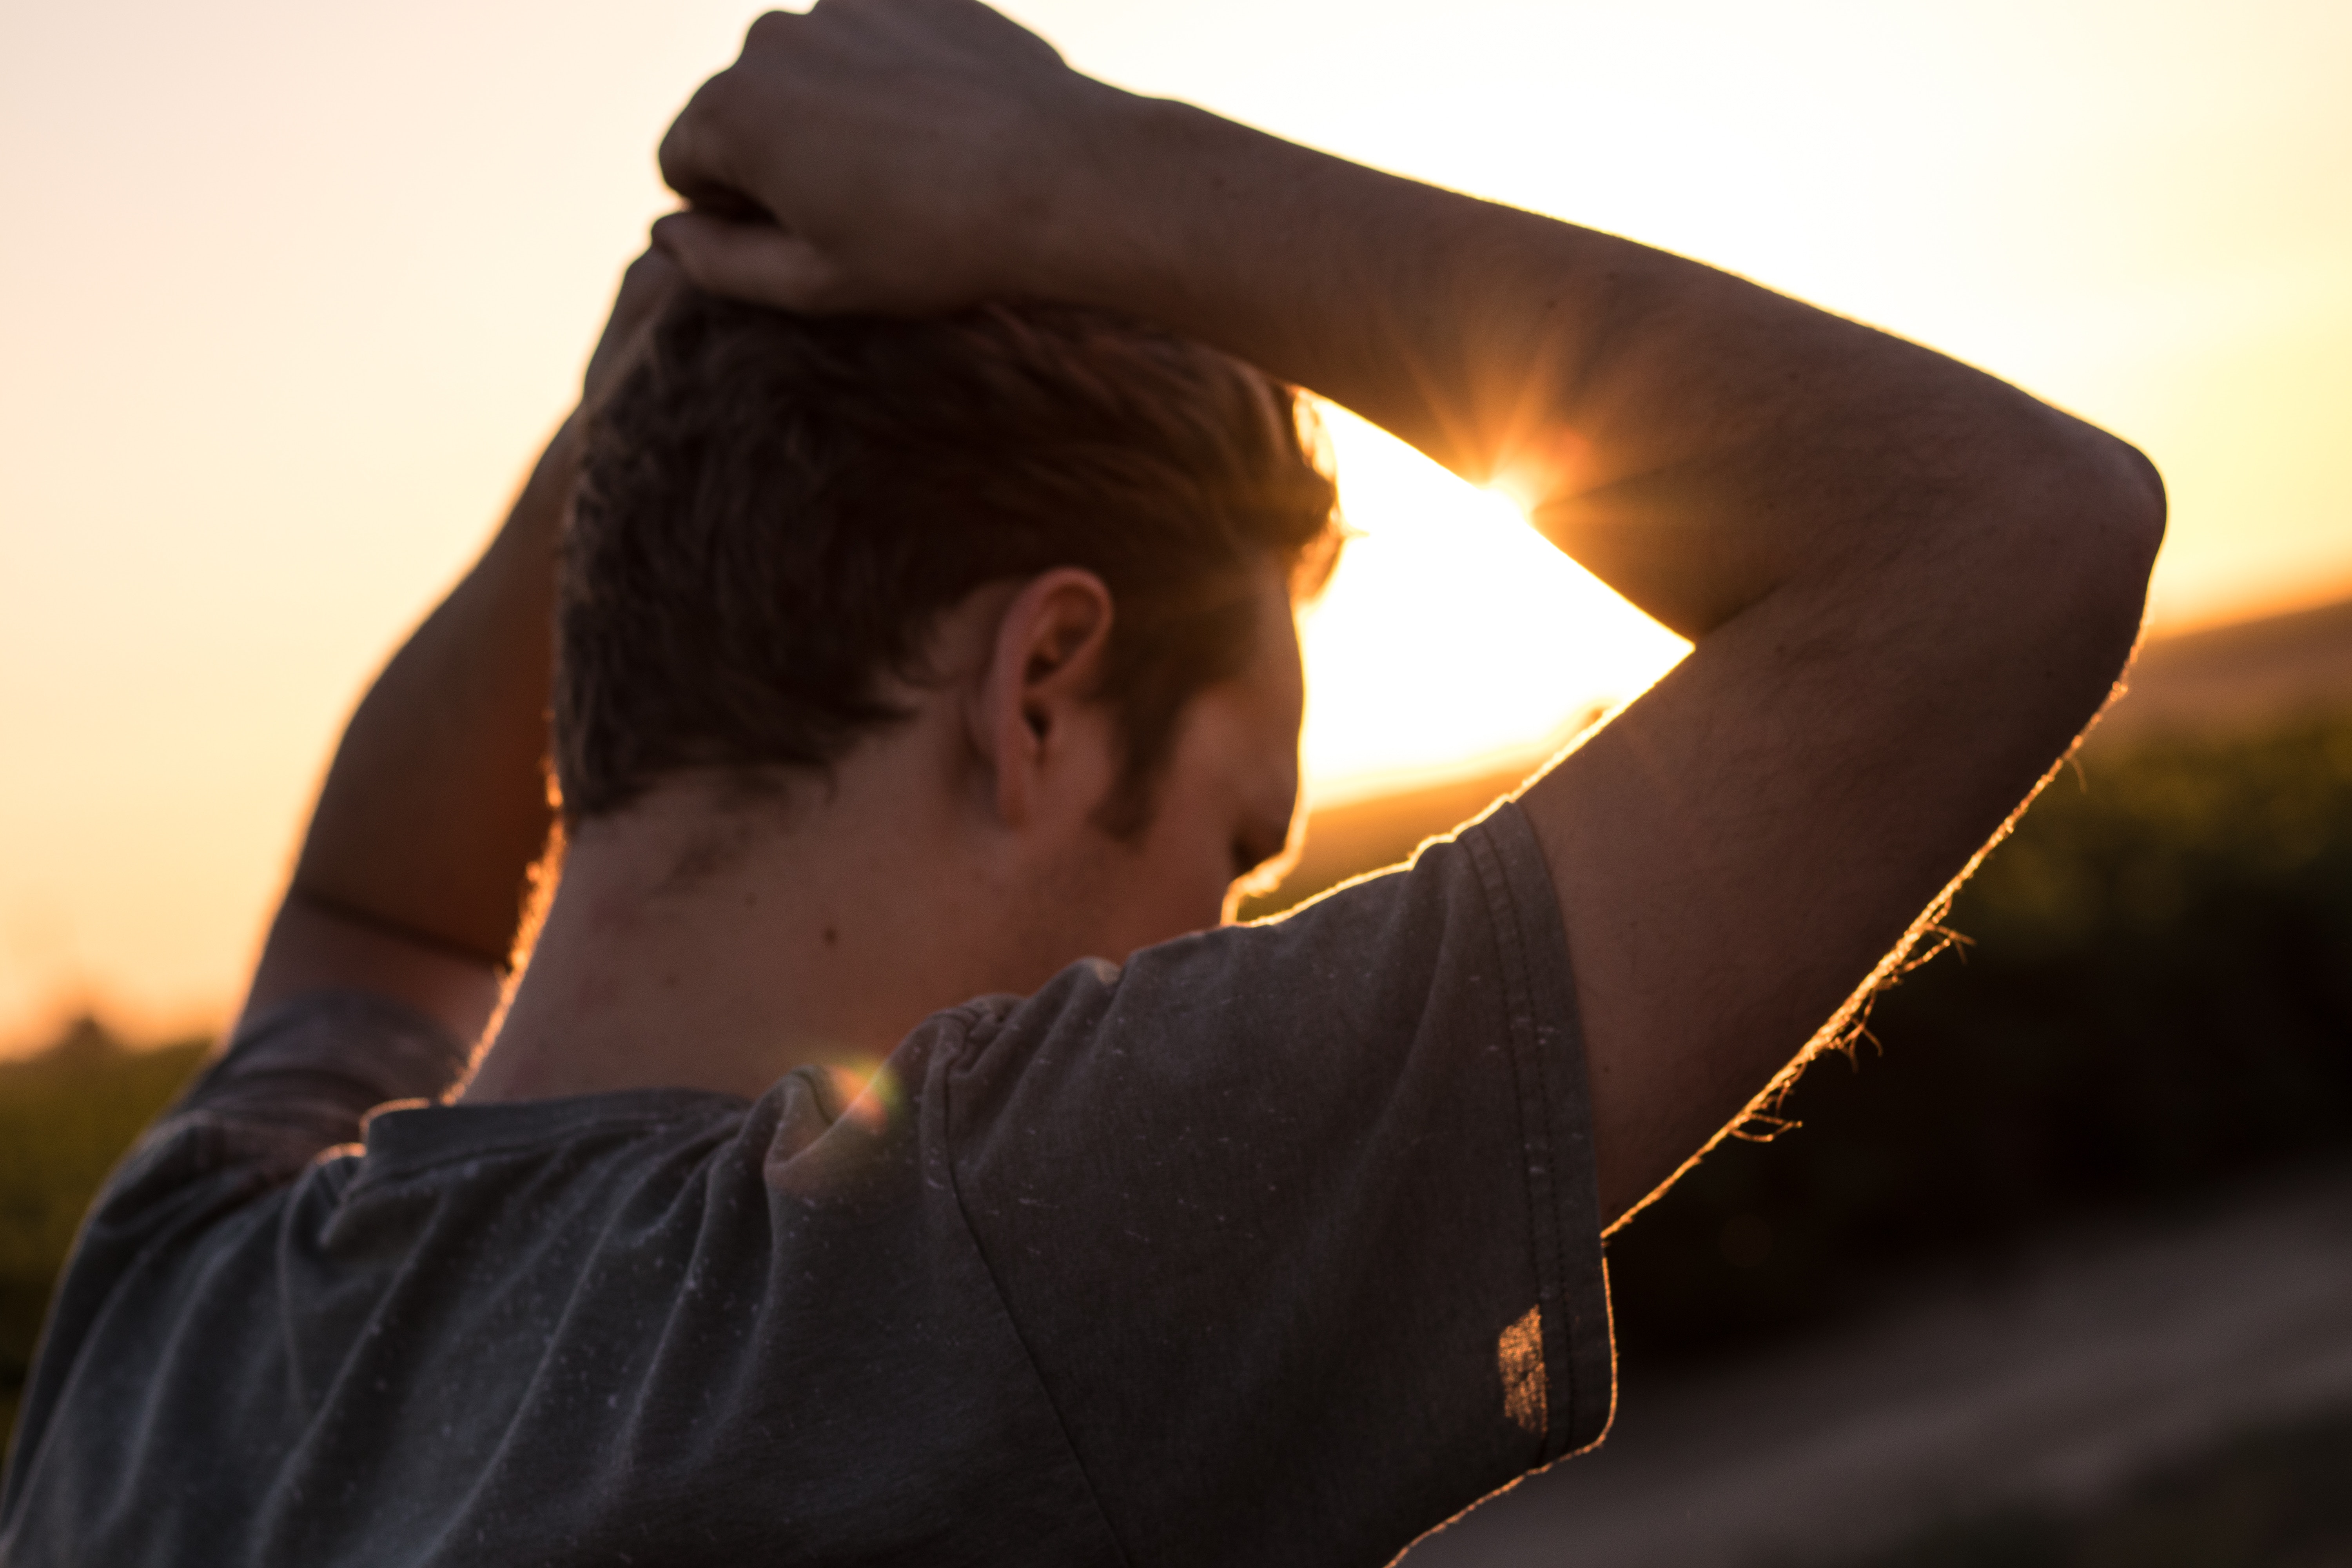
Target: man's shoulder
x,y
557,1320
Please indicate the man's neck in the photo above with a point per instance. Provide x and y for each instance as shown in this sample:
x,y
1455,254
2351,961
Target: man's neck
x,y
698,942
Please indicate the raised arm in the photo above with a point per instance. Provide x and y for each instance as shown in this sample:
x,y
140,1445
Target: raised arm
x,y
1910,584
413,873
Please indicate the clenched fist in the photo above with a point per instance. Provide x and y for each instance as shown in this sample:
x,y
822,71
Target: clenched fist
x,y
894,156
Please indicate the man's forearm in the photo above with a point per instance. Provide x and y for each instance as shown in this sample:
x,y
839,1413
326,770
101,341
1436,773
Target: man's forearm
x,y
436,804
412,875
1693,438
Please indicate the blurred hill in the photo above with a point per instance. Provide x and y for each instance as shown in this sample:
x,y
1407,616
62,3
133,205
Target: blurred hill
x,y
2232,681
2237,680
1354,836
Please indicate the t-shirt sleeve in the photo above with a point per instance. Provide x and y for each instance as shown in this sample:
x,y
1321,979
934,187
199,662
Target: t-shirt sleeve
x,y
295,1081
302,1076
1297,1220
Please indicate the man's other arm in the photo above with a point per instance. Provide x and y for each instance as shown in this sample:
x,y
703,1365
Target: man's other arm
x,y
1910,584
413,872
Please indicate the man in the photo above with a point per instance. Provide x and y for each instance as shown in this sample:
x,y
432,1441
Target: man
x,y
1277,1243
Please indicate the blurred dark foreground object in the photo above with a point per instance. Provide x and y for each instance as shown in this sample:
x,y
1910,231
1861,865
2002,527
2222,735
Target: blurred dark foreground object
x,y
2180,1377
2274,1497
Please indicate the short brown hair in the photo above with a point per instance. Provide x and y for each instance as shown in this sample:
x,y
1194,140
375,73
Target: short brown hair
x,y
774,511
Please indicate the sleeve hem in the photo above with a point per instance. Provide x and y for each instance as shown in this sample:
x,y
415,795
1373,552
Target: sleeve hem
x,y
1546,1044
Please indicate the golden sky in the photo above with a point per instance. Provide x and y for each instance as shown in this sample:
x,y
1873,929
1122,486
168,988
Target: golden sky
x,y
291,290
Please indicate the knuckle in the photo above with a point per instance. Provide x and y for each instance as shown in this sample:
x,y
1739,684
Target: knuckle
x,y
768,26
650,272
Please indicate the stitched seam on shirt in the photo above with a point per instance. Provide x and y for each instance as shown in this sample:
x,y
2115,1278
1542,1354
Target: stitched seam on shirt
x,y
1563,1422
540,1143
1012,1321
1574,1176
1543,1205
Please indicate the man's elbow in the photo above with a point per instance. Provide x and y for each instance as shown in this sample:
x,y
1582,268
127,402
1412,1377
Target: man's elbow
x,y
2095,521
2125,507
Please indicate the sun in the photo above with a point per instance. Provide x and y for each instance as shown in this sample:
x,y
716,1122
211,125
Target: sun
x,y
1453,633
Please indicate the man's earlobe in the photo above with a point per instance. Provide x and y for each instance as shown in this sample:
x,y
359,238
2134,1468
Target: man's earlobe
x,y
1047,656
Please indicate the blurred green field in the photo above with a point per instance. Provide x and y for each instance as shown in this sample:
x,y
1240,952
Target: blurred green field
x,y
66,1116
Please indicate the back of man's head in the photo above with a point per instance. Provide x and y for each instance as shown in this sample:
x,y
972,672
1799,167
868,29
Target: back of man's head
x,y
776,510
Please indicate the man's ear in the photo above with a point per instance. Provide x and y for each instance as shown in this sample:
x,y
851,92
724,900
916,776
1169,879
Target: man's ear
x,y
1042,670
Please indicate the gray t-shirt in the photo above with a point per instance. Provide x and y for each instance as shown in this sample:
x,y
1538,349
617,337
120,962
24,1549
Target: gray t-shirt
x,y
1277,1246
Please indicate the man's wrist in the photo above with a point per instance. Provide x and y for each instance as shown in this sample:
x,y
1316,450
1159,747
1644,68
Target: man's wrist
x,y
551,478
1112,219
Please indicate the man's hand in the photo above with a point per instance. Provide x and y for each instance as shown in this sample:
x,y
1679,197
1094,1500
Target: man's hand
x,y
892,156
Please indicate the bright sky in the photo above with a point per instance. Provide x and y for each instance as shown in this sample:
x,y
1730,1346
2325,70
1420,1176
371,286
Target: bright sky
x,y
291,290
